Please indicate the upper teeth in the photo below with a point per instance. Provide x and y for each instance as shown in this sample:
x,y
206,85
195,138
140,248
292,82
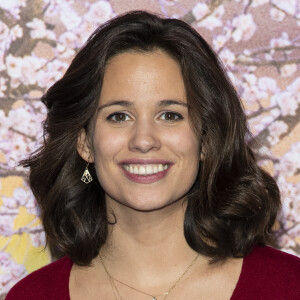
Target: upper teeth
x,y
145,169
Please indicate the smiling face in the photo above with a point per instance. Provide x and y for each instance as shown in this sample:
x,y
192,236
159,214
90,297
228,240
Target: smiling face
x,y
145,152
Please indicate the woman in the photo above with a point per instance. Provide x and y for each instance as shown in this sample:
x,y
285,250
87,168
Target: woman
x,y
145,181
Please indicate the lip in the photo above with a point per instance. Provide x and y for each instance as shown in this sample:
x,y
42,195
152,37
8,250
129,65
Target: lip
x,y
146,179
145,161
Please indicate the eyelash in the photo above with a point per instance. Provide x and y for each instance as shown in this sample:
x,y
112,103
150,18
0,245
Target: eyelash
x,y
112,117
177,116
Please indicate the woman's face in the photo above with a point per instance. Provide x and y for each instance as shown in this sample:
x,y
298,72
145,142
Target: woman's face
x,y
145,152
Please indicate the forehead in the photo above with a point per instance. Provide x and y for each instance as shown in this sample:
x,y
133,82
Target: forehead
x,y
142,75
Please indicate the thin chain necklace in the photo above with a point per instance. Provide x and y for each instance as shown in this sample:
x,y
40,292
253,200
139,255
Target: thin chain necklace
x,y
117,293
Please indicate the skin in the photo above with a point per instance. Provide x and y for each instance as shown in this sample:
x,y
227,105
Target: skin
x,y
146,248
144,81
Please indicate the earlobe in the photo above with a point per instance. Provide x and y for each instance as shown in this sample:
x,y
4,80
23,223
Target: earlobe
x,y
84,147
201,155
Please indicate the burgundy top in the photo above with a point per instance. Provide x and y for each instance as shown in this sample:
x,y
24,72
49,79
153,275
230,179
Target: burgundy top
x,y
266,274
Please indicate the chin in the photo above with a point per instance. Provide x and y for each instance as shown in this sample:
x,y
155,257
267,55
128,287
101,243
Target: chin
x,y
149,206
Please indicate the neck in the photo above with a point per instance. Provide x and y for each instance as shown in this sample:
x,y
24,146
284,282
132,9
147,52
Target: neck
x,y
146,245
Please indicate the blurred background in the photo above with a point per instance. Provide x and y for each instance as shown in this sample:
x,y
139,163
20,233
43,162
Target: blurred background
x,y
258,41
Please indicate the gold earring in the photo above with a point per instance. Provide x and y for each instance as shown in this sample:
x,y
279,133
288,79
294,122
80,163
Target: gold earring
x,y
86,176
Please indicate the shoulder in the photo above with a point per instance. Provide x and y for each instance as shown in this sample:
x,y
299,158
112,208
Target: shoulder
x,y
43,283
268,273
272,259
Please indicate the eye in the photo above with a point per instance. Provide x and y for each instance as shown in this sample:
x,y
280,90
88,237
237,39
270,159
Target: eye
x,y
171,116
118,117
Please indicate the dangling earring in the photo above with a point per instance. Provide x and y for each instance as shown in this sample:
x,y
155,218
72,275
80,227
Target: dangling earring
x,y
86,176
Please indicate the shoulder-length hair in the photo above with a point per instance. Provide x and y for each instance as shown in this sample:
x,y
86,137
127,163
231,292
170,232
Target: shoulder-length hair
x,y
233,204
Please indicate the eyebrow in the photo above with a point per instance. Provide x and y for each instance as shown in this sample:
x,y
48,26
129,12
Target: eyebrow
x,y
116,102
126,103
172,102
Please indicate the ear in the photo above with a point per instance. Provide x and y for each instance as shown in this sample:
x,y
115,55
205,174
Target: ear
x,y
84,147
202,153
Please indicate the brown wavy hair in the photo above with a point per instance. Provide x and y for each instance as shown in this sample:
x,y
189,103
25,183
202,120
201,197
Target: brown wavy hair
x,y
233,204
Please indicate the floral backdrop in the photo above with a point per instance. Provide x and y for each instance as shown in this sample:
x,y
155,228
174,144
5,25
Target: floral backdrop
x,y
258,41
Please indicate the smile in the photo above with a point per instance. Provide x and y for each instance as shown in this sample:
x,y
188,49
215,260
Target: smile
x,y
145,170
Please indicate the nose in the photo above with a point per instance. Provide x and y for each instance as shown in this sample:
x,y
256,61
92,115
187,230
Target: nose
x,y
145,137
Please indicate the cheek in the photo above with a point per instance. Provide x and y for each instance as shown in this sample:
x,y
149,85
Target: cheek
x,y
107,144
185,143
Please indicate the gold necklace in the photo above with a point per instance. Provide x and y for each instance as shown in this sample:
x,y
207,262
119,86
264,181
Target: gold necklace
x,y
117,293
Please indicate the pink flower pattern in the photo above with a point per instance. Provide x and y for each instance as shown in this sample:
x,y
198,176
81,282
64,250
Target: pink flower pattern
x,y
36,50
